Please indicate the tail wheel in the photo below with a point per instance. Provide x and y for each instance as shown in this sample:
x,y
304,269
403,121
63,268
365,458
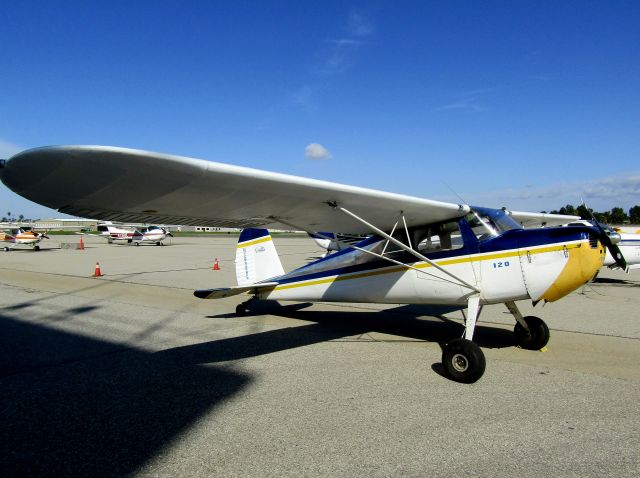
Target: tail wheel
x,y
463,361
536,338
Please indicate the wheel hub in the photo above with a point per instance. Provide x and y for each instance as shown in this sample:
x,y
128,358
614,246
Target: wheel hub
x,y
460,362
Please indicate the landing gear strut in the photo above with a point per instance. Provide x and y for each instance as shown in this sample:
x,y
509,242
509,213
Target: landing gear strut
x,y
530,332
462,359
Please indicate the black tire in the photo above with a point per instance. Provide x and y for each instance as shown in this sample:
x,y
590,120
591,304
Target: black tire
x,y
7,249
463,361
36,248
241,309
537,339
158,244
137,243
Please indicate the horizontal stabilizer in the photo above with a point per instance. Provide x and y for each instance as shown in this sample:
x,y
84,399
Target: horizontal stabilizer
x,y
231,291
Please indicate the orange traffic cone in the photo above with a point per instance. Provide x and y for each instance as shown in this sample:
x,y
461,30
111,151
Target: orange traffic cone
x,y
216,266
81,245
97,273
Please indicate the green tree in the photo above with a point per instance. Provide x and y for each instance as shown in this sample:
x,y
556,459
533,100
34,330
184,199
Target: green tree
x,y
634,214
584,212
603,217
568,209
618,216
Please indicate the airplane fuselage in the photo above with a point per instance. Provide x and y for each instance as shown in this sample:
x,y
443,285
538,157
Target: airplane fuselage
x,y
543,264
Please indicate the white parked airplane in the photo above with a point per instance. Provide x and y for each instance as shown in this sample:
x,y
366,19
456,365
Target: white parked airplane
x,y
132,235
150,235
629,245
22,237
331,241
409,258
113,233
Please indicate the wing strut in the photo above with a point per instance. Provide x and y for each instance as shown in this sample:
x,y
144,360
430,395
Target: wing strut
x,y
405,247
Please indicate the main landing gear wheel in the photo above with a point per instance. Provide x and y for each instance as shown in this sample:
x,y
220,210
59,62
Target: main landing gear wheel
x,y
36,248
536,338
242,309
463,361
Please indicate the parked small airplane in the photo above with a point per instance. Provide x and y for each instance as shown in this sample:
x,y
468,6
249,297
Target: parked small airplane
x,y
409,258
150,235
332,242
132,235
23,237
113,233
629,245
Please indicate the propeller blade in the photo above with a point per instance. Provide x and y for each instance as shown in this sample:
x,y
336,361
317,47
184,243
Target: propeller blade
x,y
613,248
605,238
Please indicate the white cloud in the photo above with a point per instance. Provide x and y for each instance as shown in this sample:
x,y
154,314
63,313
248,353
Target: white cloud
x,y
7,149
463,105
316,151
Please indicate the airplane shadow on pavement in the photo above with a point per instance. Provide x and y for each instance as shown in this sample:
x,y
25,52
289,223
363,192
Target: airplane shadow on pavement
x,y
76,406
416,322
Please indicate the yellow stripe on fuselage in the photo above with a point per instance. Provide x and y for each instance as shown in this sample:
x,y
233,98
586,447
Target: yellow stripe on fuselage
x,y
254,242
426,265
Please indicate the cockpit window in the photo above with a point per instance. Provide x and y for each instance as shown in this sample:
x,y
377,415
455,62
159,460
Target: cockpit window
x,y
482,226
487,223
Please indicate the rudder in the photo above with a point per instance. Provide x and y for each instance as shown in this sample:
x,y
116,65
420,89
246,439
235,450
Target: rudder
x,y
256,257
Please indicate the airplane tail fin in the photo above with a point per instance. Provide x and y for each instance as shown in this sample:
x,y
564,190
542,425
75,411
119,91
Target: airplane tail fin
x,y
256,257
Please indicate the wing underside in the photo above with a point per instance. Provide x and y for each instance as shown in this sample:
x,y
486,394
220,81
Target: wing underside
x,y
128,185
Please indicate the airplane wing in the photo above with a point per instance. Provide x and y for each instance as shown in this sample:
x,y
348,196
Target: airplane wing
x,y
540,219
127,185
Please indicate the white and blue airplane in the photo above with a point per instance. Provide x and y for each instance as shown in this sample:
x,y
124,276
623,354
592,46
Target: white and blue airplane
x,y
419,251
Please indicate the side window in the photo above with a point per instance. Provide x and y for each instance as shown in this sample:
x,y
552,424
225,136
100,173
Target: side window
x,y
441,237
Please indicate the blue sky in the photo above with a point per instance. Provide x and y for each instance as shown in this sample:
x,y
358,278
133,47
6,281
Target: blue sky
x,y
529,105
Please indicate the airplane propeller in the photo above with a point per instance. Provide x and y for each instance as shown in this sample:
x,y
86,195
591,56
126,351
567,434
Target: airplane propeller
x,y
610,241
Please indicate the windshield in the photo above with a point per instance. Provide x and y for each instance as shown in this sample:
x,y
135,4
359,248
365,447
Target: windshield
x,y
487,223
